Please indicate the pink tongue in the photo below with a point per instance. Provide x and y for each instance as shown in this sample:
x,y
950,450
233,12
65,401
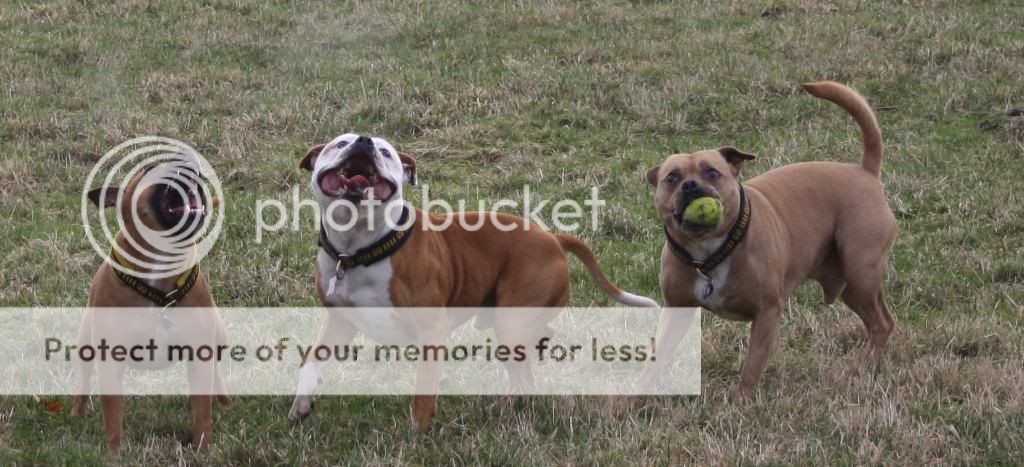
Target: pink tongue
x,y
359,182
332,183
381,190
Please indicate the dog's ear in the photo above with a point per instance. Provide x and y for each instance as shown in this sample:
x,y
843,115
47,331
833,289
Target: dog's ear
x,y
309,160
652,175
104,197
735,158
408,168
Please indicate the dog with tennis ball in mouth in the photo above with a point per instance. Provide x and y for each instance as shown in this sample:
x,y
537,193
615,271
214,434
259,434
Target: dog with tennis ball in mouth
x,y
741,249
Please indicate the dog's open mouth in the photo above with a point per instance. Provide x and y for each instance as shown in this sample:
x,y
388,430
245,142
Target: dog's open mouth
x,y
356,179
692,228
181,202
180,206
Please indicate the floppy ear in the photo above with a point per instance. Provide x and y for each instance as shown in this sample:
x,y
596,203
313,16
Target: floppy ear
x,y
735,158
104,197
652,175
309,160
408,168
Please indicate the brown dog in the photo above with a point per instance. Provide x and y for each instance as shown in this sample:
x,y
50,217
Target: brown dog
x,y
180,303
483,259
826,221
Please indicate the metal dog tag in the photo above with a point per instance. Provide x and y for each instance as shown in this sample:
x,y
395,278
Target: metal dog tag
x,y
338,274
708,290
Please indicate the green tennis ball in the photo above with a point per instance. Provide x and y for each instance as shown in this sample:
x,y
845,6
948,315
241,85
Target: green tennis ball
x,y
703,211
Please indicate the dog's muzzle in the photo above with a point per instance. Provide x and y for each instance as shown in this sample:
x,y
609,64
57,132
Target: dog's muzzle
x,y
688,192
357,177
180,201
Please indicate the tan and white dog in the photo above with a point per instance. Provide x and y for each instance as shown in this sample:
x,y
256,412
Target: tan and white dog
x,y
825,221
448,269
128,311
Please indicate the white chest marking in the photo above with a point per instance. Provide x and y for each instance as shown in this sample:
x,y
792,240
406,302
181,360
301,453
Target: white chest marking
x,y
364,298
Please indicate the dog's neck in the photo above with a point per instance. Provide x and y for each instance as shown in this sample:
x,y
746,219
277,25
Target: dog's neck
x,y
699,249
363,233
138,261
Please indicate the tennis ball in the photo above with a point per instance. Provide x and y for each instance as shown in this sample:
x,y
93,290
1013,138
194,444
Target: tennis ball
x,y
703,211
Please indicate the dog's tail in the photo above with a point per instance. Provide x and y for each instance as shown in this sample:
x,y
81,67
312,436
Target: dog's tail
x,y
855,104
582,251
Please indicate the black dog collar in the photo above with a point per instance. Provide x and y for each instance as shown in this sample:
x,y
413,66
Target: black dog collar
x,y
165,299
378,251
739,229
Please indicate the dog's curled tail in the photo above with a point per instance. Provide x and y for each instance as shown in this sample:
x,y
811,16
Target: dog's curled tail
x,y
577,247
855,104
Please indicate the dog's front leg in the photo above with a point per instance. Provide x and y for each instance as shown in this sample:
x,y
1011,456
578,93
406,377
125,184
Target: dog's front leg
x,y
428,373
763,333
111,387
335,333
85,369
671,327
201,384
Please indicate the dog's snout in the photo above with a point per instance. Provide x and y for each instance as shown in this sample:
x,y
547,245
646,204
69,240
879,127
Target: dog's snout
x,y
689,185
363,146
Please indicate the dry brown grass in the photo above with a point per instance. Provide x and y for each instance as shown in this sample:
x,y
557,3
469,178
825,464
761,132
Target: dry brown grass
x,y
563,97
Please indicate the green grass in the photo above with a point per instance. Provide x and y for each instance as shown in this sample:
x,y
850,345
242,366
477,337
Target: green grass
x,y
563,96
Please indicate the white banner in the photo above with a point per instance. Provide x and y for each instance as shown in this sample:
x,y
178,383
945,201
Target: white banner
x,y
366,351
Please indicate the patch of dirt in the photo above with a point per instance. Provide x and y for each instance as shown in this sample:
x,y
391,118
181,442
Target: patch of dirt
x,y
1012,121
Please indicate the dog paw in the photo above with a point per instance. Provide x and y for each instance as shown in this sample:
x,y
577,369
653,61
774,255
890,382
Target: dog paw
x,y
741,394
421,426
301,408
201,441
79,406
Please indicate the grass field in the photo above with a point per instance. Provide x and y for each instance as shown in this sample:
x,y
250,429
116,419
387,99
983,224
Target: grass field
x,y
563,96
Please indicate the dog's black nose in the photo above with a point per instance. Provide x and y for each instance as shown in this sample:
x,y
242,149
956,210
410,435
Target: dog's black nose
x,y
689,185
362,145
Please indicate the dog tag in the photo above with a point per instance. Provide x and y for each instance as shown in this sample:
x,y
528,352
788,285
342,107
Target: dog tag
x,y
708,290
330,285
165,318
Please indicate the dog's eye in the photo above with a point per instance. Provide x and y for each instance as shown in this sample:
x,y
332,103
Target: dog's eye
x,y
341,144
671,178
712,174
385,152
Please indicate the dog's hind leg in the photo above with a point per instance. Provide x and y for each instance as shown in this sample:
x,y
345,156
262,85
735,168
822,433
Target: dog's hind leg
x,y
864,270
544,287
864,243
830,276
869,304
